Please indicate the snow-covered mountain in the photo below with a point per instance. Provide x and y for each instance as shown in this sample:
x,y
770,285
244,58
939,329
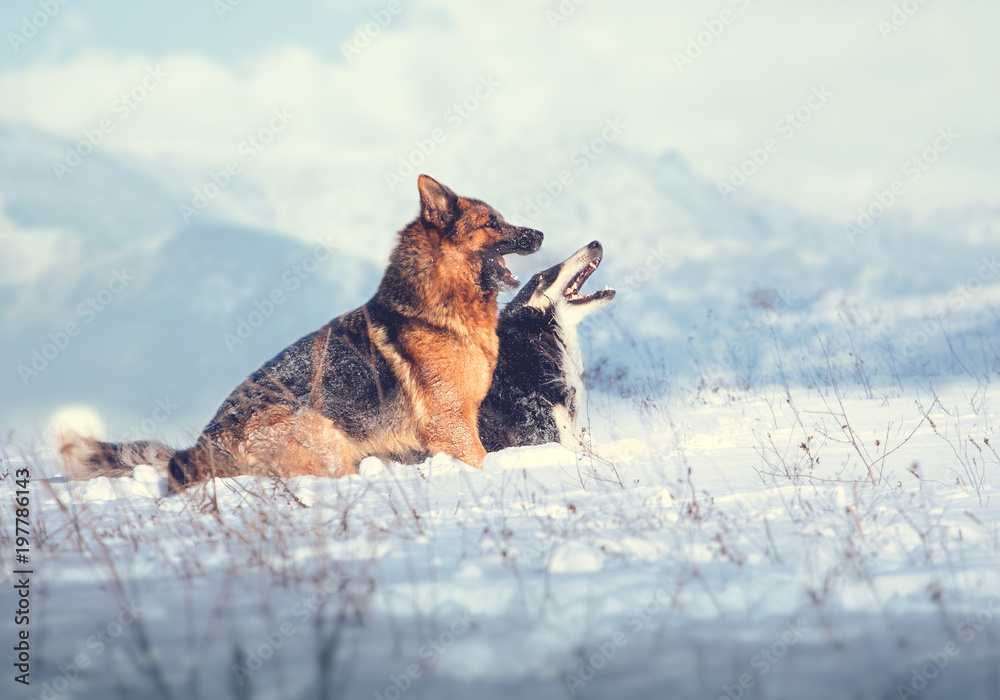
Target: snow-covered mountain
x,y
157,312
701,283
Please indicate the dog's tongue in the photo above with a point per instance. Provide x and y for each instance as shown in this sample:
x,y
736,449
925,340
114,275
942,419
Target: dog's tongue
x,y
507,275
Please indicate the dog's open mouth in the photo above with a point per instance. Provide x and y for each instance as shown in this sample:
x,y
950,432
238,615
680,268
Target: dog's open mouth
x,y
496,274
572,292
508,278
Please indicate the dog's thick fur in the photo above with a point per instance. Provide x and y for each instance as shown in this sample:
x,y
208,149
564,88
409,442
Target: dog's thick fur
x,y
537,390
399,378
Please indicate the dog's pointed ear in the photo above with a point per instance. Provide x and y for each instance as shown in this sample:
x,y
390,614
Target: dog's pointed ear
x,y
437,202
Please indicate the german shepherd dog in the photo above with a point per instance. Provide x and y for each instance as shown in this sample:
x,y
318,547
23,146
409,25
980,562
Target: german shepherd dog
x,y
399,378
537,391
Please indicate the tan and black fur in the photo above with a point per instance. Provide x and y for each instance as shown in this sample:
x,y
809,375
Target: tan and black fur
x,y
399,378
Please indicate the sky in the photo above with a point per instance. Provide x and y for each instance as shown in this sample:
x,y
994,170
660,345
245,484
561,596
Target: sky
x,y
832,101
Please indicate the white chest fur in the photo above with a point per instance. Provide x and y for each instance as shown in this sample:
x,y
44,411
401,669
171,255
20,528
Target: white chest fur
x,y
568,417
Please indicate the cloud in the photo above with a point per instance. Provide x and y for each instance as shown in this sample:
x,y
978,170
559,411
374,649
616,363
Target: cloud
x,y
28,255
355,119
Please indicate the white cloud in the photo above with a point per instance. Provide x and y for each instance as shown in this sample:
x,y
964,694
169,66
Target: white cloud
x,y
354,120
27,255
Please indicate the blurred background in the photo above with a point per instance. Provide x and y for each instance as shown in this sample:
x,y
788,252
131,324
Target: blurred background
x,y
188,187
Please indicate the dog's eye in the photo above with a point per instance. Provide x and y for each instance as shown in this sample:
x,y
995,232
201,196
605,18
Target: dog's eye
x,y
493,223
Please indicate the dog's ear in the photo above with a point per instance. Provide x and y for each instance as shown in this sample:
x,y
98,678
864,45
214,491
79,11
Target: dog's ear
x,y
437,202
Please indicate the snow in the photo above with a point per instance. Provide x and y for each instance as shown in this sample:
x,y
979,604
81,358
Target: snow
x,y
705,554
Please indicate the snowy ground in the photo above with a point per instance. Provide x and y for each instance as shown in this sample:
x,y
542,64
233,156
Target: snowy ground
x,y
811,543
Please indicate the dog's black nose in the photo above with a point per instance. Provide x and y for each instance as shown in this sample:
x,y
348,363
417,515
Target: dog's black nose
x,y
528,240
596,246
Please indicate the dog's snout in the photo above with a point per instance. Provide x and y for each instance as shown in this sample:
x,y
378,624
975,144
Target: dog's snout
x,y
596,247
529,240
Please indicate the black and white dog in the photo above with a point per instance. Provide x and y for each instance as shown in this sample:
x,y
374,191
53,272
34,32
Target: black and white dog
x,y
537,390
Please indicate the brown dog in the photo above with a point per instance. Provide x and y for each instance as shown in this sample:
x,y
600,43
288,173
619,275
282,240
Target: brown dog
x,y
399,378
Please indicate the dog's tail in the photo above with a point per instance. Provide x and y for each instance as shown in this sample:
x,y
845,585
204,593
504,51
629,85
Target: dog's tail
x,y
86,458
205,460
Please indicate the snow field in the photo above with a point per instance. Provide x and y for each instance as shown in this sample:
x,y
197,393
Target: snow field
x,y
771,545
